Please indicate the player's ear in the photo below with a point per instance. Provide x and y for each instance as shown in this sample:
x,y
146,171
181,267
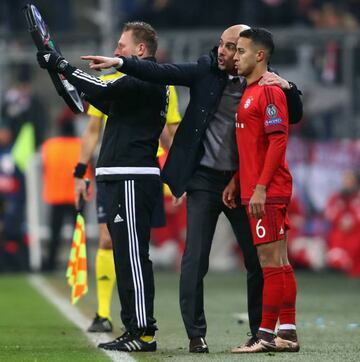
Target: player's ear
x,y
260,55
141,49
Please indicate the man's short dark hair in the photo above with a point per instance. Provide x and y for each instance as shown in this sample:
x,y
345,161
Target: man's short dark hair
x,y
260,36
143,33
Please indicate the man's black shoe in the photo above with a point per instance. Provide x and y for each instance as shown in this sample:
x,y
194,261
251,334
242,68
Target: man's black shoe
x,y
129,343
100,325
198,345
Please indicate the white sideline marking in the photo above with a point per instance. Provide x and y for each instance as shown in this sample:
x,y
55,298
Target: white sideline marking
x,y
75,316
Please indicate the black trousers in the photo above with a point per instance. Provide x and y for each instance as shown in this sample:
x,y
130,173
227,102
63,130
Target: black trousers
x,y
204,205
129,207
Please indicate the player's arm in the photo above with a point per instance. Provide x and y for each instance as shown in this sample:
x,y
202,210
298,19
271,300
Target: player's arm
x,y
293,99
178,74
274,156
95,88
275,117
89,141
91,86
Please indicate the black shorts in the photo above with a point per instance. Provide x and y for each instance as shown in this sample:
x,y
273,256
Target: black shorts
x,y
158,217
100,203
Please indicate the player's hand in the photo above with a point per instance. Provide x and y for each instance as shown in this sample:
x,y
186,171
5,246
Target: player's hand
x,y
257,202
51,60
270,78
98,62
230,193
81,190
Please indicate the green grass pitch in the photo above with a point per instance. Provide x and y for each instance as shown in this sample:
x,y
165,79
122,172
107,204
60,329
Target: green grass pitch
x,y
31,329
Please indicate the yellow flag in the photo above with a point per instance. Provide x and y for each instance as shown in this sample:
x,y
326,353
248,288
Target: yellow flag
x,y
76,272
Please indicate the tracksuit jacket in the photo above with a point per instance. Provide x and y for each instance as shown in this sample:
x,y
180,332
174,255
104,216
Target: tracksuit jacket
x,y
136,116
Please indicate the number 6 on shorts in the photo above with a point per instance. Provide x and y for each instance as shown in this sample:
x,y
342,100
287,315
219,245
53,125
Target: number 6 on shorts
x,y
260,230
272,226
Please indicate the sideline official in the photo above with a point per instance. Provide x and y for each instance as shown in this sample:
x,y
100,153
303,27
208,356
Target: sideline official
x,y
128,167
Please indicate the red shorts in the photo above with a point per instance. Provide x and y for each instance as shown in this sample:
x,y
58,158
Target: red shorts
x,y
272,226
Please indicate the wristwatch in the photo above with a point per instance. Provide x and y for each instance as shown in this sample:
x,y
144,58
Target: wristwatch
x,y
62,65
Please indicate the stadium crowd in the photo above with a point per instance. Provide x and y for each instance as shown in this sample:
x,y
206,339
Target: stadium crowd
x,y
194,14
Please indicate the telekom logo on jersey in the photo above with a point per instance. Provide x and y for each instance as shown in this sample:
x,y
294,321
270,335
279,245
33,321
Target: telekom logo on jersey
x,y
239,125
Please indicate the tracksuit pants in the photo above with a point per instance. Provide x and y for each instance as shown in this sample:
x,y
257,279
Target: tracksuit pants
x,y
129,208
204,205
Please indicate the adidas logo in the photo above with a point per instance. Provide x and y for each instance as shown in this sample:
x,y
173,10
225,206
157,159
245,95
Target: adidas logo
x,y
118,218
281,232
47,57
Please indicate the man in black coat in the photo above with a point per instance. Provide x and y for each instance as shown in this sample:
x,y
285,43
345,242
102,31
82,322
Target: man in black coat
x,y
201,161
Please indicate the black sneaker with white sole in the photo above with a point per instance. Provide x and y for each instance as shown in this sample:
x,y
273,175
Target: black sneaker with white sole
x,y
100,325
130,343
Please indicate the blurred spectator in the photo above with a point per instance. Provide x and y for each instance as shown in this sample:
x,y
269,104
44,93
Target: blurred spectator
x,y
59,14
170,13
60,155
13,242
213,13
23,122
343,215
327,98
331,14
354,8
22,108
305,251
296,213
271,13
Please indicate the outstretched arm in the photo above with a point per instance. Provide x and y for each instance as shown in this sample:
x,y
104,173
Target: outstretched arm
x,y
91,86
177,74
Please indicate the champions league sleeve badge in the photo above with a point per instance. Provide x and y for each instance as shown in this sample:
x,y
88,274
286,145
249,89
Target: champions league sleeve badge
x,y
271,111
272,114
43,41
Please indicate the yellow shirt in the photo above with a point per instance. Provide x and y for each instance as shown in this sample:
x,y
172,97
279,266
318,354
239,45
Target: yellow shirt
x,y
172,116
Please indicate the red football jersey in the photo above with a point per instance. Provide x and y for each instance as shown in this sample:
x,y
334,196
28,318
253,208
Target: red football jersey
x,y
262,111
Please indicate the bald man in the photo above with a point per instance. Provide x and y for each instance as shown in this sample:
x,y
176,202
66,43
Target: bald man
x,y
201,161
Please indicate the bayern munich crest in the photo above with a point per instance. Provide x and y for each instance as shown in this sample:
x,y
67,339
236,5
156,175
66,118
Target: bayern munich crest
x,y
247,103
